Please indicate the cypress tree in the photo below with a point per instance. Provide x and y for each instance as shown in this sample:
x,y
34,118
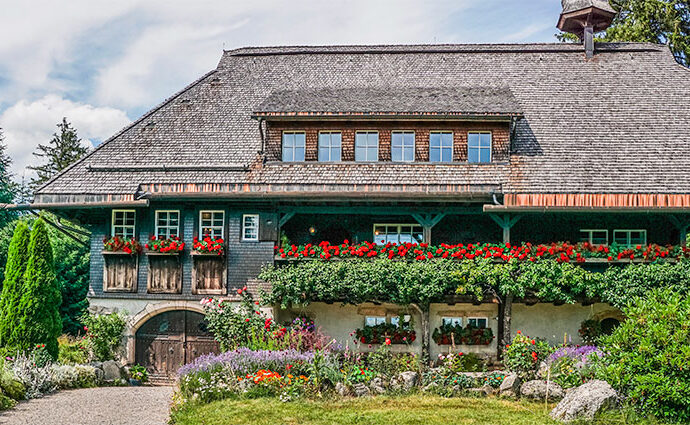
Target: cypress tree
x,y
39,315
17,258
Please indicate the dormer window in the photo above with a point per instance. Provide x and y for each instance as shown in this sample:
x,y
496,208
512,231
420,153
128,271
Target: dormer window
x,y
294,146
402,146
479,147
330,146
441,146
367,146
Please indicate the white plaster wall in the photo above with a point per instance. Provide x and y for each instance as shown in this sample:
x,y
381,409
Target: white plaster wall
x,y
556,323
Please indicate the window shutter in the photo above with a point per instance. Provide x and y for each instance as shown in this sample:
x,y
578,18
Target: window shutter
x,y
268,227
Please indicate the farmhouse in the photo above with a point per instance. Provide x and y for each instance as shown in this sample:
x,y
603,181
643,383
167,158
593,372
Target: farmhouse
x,y
391,144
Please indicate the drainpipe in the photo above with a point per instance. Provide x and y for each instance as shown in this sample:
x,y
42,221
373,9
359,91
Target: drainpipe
x,y
263,141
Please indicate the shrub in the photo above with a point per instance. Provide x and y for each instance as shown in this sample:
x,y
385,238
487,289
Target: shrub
x,y
36,378
139,373
79,376
590,331
72,351
39,318
104,335
6,402
573,366
461,362
647,356
13,287
11,387
524,354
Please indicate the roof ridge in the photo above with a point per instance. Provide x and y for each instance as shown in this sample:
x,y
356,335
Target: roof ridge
x,y
126,128
437,48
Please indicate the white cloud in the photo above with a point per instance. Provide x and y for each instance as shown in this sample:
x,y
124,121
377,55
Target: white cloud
x,y
26,124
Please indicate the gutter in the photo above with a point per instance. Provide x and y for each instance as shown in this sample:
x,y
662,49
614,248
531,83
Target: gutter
x,y
74,205
633,210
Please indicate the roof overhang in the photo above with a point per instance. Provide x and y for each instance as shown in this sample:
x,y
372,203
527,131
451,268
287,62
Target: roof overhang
x,y
387,116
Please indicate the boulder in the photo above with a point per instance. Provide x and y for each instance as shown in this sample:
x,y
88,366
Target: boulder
x,y
342,389
483,390
111,370
510,387
361,390
377,386
537,390
409,379
586,401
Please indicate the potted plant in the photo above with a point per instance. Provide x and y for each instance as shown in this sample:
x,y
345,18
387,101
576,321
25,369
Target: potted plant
x,y
170,246
208,246
120,245
138,374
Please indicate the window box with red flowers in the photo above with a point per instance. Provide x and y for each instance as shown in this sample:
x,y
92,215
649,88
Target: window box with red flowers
x,y
208,246
448,334
562,252
119,245
379,333
170,246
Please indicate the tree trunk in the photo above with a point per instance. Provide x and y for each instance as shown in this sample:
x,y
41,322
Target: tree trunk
x,y
507,313
424,313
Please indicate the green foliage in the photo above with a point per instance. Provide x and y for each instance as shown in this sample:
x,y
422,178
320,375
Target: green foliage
x,y
355,282
387,333
72,351
424,282
590,331
17,259
139,373
8,188
647,356
461,362
449,333
524,354
11,387
104,335
39,318
62,150
6,402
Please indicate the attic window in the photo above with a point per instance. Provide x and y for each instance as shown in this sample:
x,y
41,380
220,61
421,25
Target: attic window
x,y
402,146
441,146
330,143
479,147
293,146
367,146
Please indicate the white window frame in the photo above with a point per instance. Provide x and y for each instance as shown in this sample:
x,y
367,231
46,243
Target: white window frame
x,y
451,319
590,231
399,225
452,146
132,226
330,146
395,319
378,144
414,145
628,231
282,145
376,319
167,226
244,228
201,225
478,318
491,147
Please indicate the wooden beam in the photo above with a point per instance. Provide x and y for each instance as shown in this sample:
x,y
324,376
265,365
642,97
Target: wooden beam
x,y
682,226
285,218
506,223
377,210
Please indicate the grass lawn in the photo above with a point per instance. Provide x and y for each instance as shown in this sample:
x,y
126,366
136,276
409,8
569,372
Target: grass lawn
x,y
416,409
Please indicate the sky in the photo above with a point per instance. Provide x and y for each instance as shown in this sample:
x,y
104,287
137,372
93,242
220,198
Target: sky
x,y
102,64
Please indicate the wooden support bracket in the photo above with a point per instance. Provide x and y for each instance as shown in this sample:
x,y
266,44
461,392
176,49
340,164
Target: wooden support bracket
x,y
506,222
285,218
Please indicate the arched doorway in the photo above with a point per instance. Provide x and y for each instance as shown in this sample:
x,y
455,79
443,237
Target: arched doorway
x,y
171,339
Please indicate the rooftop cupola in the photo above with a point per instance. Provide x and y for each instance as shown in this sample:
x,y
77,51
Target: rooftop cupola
x,y
585,17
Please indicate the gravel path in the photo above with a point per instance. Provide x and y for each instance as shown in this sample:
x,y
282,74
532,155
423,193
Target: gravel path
x,y
95,406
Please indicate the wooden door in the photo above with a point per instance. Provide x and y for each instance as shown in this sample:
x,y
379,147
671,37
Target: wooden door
x,y
169,340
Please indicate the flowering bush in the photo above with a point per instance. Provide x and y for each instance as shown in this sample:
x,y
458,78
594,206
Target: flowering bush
x,y
386,333
162,245
103,339
120,244
573,366
446,382
139,373
560,252
524,354
460,362
209,246
494,379
72,350
448,334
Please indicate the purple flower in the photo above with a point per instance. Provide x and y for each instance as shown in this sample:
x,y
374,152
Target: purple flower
x,y
580,354
243,361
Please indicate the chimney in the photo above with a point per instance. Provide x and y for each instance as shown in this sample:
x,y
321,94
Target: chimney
x,y
585,17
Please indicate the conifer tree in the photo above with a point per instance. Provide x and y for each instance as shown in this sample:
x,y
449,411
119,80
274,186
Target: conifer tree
x,y
8,188
63,149
39,316
17,258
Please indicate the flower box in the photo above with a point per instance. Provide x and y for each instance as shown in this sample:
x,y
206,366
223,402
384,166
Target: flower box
x,y
208,246
449,334
166,246
379,333
118,246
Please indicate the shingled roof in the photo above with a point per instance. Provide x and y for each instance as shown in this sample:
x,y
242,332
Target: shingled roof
x,y
615,124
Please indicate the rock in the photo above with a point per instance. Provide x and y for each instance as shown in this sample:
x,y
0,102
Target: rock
x,y
483,390
510,387
342,389
377,385
111,370
409,379
99,375
361,390
537,389
543,370
431,387
586,401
